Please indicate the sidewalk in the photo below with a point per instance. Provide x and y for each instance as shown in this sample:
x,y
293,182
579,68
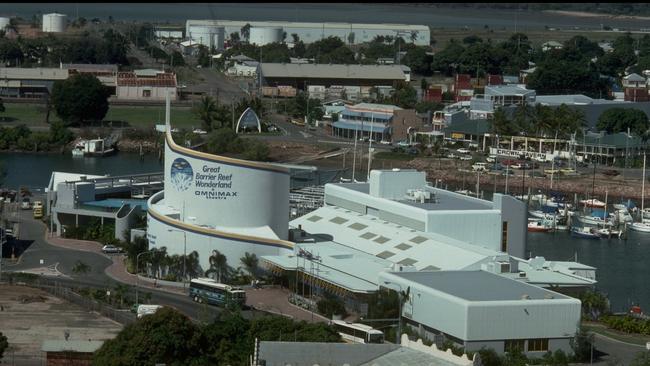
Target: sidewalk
x,y
117,270
276,300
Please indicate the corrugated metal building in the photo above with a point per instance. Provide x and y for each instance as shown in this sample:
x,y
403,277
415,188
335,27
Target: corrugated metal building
x,y
302,75
355,33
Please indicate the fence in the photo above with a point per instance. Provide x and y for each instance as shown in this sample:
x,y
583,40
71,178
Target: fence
x,y
66,291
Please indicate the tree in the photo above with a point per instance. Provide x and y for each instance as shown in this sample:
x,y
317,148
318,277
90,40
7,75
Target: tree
x,y
3,344
80,98
234,38
417,59
203,56
218,265
206,111
616,120
246,32
447,60
177,59
164,337
250,262
404,96
471,39
582,344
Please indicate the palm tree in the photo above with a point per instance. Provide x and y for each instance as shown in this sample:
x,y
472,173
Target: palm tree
x,y
192,265
250,262
206,111
217,264
157,259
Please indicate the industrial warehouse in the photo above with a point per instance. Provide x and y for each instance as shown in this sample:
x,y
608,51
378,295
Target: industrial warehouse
x,y
264,32
463,256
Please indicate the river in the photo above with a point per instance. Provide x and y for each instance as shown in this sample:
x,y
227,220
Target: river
x,y
622,265
473,18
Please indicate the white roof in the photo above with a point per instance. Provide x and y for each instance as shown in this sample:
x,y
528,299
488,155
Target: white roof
x,y
328,25
634,77
61,177
39,73
189,43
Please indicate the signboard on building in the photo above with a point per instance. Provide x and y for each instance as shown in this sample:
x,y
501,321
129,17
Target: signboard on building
x,y
522,154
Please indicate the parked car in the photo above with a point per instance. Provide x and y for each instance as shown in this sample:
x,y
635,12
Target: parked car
x,y
403,144
491,159
199,131
412,151
480,167
465,157
110,249
385,142
25,204
611,172
463,150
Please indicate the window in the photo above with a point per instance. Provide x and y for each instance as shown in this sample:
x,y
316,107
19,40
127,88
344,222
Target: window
x,y
504,236
403,246
538,345
146,93
511,345
338,220
382,239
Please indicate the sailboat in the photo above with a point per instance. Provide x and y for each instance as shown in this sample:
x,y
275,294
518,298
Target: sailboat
x,y
642,226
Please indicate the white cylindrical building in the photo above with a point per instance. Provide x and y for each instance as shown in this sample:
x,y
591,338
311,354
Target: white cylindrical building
x,y
54,22
4,21
265,35
216,203
209,36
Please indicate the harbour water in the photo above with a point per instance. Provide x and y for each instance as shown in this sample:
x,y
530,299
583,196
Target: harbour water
x,y
451,18
622,265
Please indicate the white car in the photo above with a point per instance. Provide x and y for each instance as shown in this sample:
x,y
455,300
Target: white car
x,y
147,310
385,142
465,157
480,167
463,150
108,249
199,131
491,159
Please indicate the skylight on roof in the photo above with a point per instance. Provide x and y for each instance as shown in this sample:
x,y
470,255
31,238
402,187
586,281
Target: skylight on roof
x,y
314,218
418,239
381,239
339,220
407,262
385,254
403,246
368,235
357,226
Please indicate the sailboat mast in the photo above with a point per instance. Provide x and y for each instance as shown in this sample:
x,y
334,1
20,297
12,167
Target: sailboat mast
x,y
643,188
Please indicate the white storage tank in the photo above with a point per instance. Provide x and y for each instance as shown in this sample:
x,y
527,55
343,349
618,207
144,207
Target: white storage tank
x,y
263,35
54,22
4,21
209,36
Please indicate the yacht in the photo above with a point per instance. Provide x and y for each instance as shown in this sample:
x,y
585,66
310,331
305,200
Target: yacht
x,y
585,233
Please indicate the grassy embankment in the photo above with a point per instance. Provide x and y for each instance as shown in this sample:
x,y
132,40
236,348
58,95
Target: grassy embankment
x,y
33,115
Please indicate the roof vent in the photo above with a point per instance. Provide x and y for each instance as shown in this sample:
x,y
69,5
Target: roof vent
x,y
525,297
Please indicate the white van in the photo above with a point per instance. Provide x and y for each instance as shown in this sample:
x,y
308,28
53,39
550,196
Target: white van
x,y
147,310
480,167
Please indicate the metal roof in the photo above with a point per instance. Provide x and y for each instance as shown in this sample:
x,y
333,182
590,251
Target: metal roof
x,y
478,286
335,71
404,356
634,77
72,346
39,73
325,25
507,90
320,353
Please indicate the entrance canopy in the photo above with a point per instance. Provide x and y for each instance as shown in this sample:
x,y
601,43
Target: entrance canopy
x,y
249,121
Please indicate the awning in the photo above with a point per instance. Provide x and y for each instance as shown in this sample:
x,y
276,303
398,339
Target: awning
x,y
366,127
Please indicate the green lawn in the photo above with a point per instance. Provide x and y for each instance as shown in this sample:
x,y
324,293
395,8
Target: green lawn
x,y
623,337
393,156
34,115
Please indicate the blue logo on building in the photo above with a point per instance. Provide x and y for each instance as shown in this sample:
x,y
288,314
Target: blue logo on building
x,y
181,174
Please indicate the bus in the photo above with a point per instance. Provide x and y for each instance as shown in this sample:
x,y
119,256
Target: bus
x,y
215,293
358,333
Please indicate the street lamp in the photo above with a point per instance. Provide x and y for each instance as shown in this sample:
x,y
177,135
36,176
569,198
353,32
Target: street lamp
x,y
184,251
399,316
137,276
